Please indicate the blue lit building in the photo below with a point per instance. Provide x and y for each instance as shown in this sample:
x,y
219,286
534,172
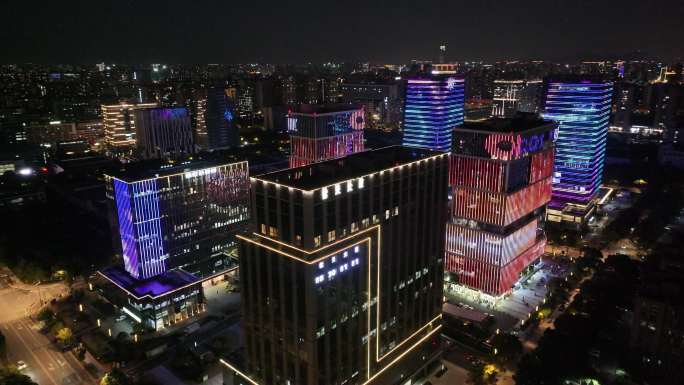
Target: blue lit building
x,y
581,106
177,225
434,107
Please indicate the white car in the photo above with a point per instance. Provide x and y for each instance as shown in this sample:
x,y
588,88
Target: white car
x,y
21,365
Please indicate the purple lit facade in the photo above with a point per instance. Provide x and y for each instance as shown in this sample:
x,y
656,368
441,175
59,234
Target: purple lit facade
x,y
434,107
140,227
177,226
582,109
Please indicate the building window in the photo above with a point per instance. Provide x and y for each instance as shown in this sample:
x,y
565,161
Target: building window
x,y
272,231
365,222
361,183
331,235
338,189
354,227
350,186
387,214
321,264
317,240
324,193
263,229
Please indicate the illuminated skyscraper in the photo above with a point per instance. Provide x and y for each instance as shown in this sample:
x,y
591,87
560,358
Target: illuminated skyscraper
x,y
434,107
177,226
342,277
324,131
119,126
581,106
501,180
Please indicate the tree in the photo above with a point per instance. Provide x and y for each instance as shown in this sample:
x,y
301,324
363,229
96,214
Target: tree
x,y
114,377
483,374
10,376
508,347
46,315
3,344
65,336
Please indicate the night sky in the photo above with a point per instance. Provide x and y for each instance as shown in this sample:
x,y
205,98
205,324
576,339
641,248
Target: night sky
x,y
240,31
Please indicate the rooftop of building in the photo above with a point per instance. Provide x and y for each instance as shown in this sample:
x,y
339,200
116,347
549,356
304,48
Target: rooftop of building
x,y
160,285
521,122
312,109
329,172
136,171
574,78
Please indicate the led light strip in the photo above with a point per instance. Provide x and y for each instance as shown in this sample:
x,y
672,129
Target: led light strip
x,y
394,361
367,239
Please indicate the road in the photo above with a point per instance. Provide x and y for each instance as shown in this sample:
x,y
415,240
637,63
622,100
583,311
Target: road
x,y
46,364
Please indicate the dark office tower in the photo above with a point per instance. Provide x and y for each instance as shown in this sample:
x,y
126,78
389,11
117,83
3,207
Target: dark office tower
x,y
581,106
198,110
530,97
501,181
324,131
506,97
624,105
664,98
177,226
220,120
381,101
342,277
512,96
245,99
163,133
434,107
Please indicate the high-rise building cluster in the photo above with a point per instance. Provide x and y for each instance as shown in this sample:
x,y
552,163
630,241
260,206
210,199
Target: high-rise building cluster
x,y
343,248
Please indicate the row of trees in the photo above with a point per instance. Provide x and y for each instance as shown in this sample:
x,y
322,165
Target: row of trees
x,y
591,329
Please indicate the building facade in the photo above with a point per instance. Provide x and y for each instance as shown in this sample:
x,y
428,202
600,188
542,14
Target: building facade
x,y
324,131
163,133
581,106
381,102
119,126
343,273
501,182
434,107
512,96
220,119
177,227
179,217
506,97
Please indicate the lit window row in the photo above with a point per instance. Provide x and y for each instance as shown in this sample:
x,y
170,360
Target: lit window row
x,y
337,188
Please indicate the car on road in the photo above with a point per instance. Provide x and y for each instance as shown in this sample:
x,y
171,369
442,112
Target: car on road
x,y
21,365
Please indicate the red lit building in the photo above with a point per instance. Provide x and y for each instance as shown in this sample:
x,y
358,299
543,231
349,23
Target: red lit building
x,y
500,173
325,131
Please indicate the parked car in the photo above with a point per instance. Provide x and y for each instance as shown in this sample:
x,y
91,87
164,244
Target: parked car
x,y
21,365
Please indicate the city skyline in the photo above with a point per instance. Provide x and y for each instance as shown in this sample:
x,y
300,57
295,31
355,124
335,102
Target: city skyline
x,y
278,33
